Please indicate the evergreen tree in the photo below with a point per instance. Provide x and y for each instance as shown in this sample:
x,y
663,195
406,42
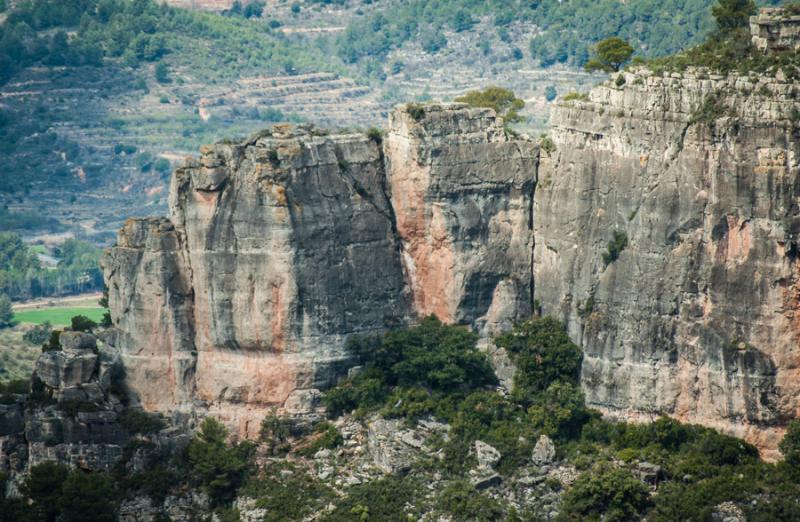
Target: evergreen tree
x,y
6,312
733,14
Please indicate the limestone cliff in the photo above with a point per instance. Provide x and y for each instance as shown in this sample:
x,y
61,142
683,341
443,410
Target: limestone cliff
x,y
279,248
462,194
698,317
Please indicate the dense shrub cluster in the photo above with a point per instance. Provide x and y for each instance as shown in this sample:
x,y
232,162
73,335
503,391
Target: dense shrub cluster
x,y
429,366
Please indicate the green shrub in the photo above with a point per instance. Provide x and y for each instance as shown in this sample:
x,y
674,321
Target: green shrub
x,y
416,111
605,493
790,444
54,343
559,411
287,492
140,422
81,323
39,334
88,496
547,144
275,431
375,135
442,360
711,110
504,102
576,96
43,487
461,501
325,436
544,354
220,468
387,499
615,247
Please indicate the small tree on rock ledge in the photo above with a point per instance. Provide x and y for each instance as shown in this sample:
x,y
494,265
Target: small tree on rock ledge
x,y
611,55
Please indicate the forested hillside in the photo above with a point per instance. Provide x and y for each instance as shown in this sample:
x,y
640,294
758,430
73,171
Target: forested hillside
x,y
566,29
101,99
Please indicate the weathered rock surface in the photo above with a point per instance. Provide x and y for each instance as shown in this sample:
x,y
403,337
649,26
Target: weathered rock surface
x,y
774,30
276,250
71,417
462,190
698,318
544,452
279,248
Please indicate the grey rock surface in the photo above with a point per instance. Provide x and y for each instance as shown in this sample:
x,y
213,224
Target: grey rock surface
x,y
280,247
698,316
487,455
544,452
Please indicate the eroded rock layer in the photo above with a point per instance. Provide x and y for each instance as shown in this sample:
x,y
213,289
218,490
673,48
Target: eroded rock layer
x,y
279,248
698,316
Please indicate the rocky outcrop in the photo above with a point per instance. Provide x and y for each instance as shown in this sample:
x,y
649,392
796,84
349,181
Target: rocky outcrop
x,y
776,30
71,415
698,316
279,248
462,190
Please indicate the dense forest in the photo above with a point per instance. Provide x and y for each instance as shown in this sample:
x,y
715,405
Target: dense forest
x,y
566,30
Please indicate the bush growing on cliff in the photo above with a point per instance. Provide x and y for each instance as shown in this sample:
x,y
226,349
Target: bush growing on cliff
x,y
81,323
39,334
610,54
615,247
607,493
790,445
504,102
438,360
543,354
219,468
6,312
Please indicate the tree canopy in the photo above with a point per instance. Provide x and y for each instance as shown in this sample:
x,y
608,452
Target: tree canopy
x,y
504,102
733,14
610,54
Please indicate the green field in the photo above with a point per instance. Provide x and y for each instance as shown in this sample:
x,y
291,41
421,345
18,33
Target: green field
x,y
59,315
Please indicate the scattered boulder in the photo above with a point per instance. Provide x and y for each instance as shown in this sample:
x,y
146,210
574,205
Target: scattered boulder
x,y
648,473
728,512
487,456
65,368
394,448
485,480
544,452
77,341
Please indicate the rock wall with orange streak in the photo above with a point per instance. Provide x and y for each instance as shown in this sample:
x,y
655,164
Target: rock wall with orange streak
x,y
698,318
276,250
462,193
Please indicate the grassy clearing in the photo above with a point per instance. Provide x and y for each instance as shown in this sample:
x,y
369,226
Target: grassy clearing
x,y
16,356
59,315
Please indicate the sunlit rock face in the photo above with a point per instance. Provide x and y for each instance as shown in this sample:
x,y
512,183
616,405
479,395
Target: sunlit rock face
x,y
462,193
279,248
698,317
276,250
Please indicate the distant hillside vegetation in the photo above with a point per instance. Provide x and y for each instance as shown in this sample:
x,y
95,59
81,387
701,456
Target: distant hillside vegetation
x,y
568,29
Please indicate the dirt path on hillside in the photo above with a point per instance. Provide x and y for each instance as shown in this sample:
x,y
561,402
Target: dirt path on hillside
x,y
57,301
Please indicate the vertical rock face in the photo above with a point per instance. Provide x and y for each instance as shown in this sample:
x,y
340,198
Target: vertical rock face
x,y
279,248
698,316
287,248
462,193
